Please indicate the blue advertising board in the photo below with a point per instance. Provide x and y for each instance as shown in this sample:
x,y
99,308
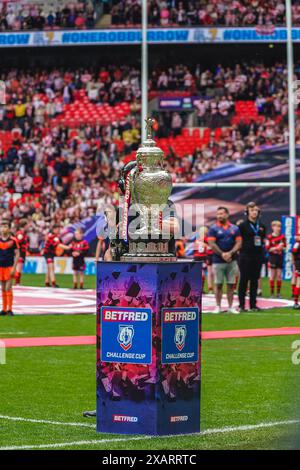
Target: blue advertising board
x,y
289,231
126,335
180,335
179,103
201,35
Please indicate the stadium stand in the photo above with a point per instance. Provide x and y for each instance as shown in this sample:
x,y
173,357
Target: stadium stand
x,y
203,13
65,134
53,14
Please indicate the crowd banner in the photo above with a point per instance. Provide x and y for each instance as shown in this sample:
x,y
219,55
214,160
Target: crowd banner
x,y
155,36
62,265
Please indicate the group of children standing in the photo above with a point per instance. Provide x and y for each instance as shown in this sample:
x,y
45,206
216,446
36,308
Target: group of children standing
x,y
78,249
13,249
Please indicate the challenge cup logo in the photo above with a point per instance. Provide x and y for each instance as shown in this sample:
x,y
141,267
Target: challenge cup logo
x,y
180,336
125,336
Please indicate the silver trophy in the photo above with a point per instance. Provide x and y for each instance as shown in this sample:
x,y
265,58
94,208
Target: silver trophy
x,y
150,186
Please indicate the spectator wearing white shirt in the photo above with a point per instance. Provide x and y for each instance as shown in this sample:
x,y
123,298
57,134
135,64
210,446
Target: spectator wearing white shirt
x,y
162,83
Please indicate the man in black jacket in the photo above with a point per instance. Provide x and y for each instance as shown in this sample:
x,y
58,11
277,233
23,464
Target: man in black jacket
x,y
253,234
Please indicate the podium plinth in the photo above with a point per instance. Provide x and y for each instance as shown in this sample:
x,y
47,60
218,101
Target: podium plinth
x,y
148,347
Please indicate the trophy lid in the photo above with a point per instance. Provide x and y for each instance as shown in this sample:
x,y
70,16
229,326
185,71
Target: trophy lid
x,y
148,151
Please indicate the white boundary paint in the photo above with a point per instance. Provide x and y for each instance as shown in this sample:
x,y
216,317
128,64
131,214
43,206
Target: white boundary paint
x,y
207,432
2,353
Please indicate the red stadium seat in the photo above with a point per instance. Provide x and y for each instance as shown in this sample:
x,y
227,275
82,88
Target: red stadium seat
x,y
186,132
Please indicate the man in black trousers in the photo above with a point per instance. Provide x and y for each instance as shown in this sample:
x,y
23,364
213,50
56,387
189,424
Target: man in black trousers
x,y
253,234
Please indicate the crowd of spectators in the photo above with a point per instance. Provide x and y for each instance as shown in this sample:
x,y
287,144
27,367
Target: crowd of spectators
x,y
39,15
59,175
35,96
42,14
56,173
220,87
236,142
204,13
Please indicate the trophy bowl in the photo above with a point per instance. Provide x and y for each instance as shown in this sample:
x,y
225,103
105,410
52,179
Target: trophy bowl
x,y
151,187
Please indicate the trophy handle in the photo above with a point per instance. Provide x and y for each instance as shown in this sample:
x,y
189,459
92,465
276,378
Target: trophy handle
x,y
132,184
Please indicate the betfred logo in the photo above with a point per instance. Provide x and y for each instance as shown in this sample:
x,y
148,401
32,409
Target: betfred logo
x,y
123,314
125,419
178,315
177,419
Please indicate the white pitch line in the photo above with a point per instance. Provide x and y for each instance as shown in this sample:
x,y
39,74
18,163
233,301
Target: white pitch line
x,y
207,432
44,421
13,333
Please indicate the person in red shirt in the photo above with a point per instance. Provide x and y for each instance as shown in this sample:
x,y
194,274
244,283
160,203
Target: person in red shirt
x,y
9,255
22,238
52,248
79,249
203,252
296,255
103,75
80,21
275,245
294,279
37,182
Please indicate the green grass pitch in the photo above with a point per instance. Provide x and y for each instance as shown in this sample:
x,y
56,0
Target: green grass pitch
x,y
247,384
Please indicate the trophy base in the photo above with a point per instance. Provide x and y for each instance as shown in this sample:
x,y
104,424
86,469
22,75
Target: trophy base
x,y
169,257
148,252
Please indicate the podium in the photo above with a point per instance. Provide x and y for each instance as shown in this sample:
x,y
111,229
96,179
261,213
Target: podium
x,y
148,347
